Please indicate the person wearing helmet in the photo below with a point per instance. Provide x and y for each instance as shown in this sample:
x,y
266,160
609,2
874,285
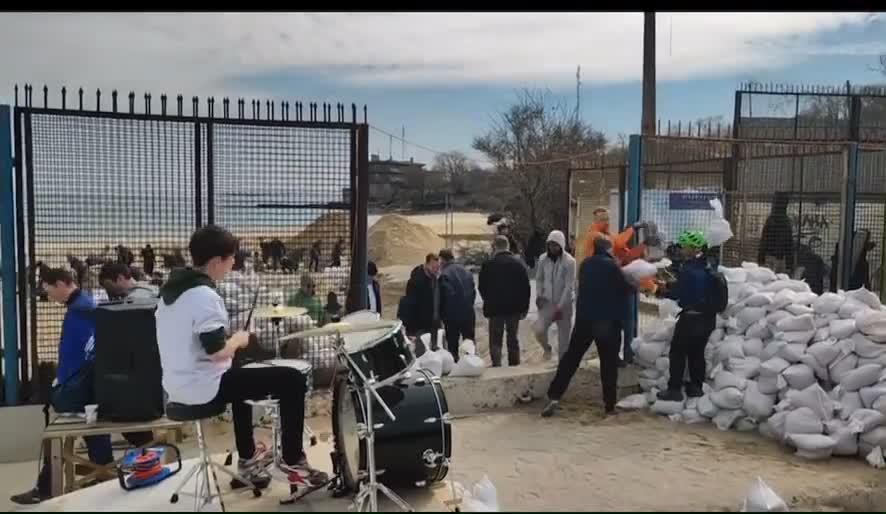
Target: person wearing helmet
x,y
696,319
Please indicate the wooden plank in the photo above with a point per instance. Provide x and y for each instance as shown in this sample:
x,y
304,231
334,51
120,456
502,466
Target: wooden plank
x,y
55,466
68,463
101,428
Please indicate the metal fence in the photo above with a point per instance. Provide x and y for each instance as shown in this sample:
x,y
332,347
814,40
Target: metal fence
x,y
591,186
98,181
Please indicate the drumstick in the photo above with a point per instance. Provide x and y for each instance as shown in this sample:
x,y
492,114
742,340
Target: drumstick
x,y
252,310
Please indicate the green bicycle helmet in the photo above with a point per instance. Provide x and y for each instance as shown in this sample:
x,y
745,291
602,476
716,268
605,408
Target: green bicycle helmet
x,y
693,238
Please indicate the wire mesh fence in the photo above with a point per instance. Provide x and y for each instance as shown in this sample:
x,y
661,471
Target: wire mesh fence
x,y
590,188
99,186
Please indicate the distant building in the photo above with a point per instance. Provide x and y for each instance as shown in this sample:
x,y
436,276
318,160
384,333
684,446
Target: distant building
x,y
394,182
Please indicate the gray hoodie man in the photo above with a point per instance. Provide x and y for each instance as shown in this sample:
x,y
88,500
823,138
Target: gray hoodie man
x,y
555,284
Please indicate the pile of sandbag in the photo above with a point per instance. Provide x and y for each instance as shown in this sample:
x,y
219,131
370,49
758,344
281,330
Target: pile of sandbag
x,y
806,370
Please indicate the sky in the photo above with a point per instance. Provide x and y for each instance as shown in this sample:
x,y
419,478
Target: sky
x,y
444,76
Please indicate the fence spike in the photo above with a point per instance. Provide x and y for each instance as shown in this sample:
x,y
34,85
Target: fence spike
x,y
45,96
16,95
365,116
64,97
147,103
180,104
30,95
98,99
114,100
679,128
353,113
195,106
210,106
80,96
267,109
132,102
298,111
163,104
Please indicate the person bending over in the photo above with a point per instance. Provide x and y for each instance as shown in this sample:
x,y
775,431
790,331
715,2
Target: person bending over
x,y
600,311
196,358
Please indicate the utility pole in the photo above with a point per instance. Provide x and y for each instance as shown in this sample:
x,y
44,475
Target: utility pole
x,y
578,93
403,148
647,124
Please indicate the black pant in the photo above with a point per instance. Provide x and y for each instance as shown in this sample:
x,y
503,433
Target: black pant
x,y
690,338
497,327
463,328
284,384
607,335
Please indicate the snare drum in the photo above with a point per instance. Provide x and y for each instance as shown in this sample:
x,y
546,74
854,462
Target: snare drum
x,y
364,316
304,367
382,352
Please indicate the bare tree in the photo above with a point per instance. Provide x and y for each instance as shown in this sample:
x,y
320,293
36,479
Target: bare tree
x,y
532,144
454,166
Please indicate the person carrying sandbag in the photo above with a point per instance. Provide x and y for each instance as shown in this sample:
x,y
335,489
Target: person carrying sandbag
x,y
702,294
555,279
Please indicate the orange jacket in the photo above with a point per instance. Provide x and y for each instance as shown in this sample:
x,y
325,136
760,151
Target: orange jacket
x,y
624,253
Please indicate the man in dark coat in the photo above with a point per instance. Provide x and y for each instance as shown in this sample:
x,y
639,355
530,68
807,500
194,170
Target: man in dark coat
x,y
148,259
777,237
420,308
374,289
458,296
504,287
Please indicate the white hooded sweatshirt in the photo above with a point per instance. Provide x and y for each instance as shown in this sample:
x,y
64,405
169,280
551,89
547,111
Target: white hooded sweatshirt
x,y
555,279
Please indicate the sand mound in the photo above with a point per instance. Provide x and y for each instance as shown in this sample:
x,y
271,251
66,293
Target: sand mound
x,y
393,239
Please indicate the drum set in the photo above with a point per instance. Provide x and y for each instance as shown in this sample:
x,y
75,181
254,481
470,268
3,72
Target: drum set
x,y
391,423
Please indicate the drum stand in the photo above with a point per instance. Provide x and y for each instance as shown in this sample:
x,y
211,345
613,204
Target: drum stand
x,y
368,492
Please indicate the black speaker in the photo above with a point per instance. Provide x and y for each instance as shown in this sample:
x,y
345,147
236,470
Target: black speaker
x,y
128,376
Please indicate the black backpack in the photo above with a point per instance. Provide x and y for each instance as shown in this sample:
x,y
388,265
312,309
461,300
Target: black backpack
x,y
718,292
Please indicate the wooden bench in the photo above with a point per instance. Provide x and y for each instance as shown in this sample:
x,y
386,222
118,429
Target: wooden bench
x,y
58,445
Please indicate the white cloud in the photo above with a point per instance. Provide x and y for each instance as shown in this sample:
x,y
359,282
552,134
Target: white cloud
x,y
194,53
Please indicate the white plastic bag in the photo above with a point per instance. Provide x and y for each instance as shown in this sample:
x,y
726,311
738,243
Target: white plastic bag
x,y
842,328
757,405
468,366
718,231
483,497
666,408
799,323
706,407
432,362
447,361
640,269
725,379
875,458
761,498
633,402
828,303
728,398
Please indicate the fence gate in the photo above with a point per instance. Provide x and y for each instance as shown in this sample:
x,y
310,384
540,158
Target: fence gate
x,y
99,179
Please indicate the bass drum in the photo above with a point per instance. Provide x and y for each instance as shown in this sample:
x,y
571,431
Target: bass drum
x,y
409,449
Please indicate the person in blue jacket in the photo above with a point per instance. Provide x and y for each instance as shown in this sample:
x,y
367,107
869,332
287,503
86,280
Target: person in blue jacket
x,y
696,320
76,350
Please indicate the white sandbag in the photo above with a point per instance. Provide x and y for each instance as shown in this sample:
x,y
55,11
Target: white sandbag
x,y
869,395
748,265
706,407
792,352
849,404
845,440
850,307
873,324
752,346
726,418
864,448
758,300
865,420
824,352
773,366
828,303
803,322
759,330
662,364
799,376
821,372
747,367
842,328
651,395
875,437
649,373
728,398
748,316
632,402
665,330
760,275
761,498
774,317
640,269
716,335
803,421
841,366
813,398
756,404
864,296
469,365
875,458
799,310
730,347
770,384
824,320
771,349
746,424
432,362
648,351
881,360
801,338
866,348
725,379
666,408
806,298
774,427
822,334
734,275
718,230
861,376
646,384
692,416
811,446
446,359
467,347
668,308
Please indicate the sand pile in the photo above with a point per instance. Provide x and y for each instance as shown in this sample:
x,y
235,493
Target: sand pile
x,y
393,239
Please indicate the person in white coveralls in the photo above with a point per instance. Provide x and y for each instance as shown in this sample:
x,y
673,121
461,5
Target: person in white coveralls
x,y
555,284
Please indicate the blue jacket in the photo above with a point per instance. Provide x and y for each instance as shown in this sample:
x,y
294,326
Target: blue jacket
x,y
602,290
458,293
691,287
77,343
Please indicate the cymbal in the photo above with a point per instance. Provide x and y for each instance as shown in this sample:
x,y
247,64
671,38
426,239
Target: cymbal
x,y
280,311
340,328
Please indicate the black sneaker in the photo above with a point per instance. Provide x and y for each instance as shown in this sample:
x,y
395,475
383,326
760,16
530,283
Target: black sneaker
x,y
671,395
32,497
622,363
694,392
549,410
